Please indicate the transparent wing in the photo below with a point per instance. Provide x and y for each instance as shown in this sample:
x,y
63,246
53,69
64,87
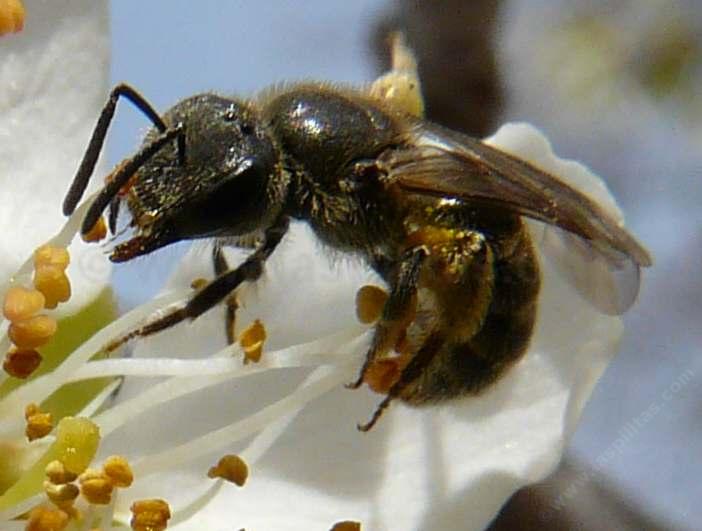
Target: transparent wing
x,y
590,248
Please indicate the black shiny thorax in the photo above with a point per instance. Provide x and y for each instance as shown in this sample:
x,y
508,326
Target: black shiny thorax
x,y
330,140
324,131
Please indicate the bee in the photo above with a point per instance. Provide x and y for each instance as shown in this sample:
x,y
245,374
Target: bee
x,y
439,215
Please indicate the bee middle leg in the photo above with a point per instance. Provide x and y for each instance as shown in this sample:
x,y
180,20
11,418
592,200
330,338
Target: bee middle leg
x,y
218,289
398,311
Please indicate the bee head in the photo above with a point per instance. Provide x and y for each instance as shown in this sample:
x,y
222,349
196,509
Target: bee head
x,y
219,175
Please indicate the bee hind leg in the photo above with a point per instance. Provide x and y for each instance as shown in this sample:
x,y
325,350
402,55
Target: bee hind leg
x,y
413,370
398,311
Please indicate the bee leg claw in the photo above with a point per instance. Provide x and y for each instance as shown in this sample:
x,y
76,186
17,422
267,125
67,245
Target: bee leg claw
x,y
376,414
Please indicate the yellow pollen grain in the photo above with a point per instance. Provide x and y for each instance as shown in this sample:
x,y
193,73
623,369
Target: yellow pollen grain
x,y
38,424
231,468
58,474
21,363
150,515
346,525
97,232
118,470
47,519
51,280
62,496
52,255
11,16
199,283
370,301
22,303
251,341
96,487
33,332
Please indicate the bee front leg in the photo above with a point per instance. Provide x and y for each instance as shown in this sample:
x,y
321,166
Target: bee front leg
x,y
217,290
221,266
398,311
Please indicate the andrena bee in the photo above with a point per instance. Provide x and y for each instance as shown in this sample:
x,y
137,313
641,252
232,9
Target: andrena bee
x,y
437,214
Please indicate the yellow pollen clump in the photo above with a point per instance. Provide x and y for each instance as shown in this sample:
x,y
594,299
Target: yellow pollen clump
x,y
150,515
33,332
47,519
199,283
96,487
38,424
57,473
370,301
50,278
118,470
251,340
11,16
346,525
232,468
21,363
53,282
62,496
51,255
382,374
97,232
22,303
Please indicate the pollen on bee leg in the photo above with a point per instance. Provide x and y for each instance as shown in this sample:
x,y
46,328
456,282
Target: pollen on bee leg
x,y
97,232
370,301
251,341
232,468
383,373
21,363
11,16
47,519
38,424
150,515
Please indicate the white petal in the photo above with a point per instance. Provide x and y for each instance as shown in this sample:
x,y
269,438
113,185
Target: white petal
x,y
53,81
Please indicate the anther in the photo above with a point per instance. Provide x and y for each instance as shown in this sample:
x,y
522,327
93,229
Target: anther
x,y
21,363
22,303
38,424
33,332
150,515
251,341
232,468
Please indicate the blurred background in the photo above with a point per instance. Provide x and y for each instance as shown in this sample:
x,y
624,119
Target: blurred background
x,y
613,84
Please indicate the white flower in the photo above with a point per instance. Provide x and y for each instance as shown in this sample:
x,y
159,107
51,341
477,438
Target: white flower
x,y
289,416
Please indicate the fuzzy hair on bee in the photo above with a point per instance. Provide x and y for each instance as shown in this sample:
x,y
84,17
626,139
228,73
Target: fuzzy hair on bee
x,y
440,216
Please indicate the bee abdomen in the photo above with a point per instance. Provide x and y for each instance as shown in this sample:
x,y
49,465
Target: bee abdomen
x,y
467,367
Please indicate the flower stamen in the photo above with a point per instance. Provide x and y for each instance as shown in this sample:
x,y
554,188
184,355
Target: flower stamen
x,y
231,468
150,515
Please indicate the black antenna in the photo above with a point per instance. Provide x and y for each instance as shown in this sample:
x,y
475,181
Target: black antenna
x,y
87,165
124,173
